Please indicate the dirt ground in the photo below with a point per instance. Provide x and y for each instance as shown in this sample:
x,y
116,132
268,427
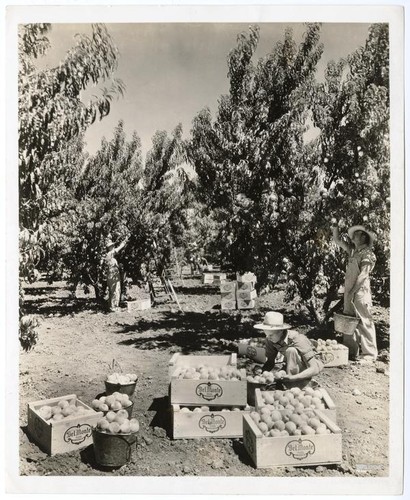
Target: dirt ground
x,y
77,341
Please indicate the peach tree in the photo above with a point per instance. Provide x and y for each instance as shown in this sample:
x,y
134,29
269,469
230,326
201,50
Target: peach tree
x,y
52,119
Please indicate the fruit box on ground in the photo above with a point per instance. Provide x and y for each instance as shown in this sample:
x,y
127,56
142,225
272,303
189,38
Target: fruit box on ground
x,y
209,422
139,304
252,350
334,354
329,405
71,433
293,451
188,391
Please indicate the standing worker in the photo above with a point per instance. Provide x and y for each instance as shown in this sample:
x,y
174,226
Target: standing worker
x,y
113,274
357,293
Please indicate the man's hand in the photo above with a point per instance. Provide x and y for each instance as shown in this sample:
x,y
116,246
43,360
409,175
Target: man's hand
x,y
287,377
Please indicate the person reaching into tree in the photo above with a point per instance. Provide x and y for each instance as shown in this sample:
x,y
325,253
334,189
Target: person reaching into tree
x,y
113,274
357,300
301,363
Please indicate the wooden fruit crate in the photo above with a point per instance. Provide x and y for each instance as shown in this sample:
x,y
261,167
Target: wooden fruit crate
x,y
246,304
212,424
246,278
244,286
69,434
139,305
228,296
293,451
333,358
190,392
228,304
330,407
258,354
246,294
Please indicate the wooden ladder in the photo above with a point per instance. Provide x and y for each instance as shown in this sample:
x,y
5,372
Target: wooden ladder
x,y
162,284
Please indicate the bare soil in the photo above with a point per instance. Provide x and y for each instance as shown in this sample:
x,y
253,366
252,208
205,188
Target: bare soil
x,y
77,341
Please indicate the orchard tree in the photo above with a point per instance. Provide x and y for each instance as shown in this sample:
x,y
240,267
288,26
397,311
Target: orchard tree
x,y
105,193
52,119
248,158
351,109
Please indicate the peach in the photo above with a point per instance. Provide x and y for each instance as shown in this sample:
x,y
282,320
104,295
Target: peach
x,y
110,416
104,407
55,410
116,406
276,416
297,419
274,433
284,433
63,403
279,424
297,432
255,416
306,429
290,427
114,427
314,422
68,410
57,417
110,400
125,427
269,399
103,424
120,419
263,427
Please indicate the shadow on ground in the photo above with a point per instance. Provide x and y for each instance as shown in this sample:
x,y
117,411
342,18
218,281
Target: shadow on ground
x,y
61,306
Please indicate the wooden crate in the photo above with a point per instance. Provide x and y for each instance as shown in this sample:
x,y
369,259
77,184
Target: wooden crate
x,y
258,354
246,294
293,451
244,286
334,358
228,304
330,407
245,304
212,424
69,434
139,305
228,296
190,392
246,278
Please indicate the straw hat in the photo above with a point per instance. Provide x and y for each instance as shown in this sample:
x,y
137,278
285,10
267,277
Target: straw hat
x,y
353,229
272,321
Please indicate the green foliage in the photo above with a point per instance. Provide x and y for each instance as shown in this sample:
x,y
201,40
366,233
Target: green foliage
x,y
52,121
272,193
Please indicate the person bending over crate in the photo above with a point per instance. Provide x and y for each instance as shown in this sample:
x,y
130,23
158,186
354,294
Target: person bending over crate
x,y
299,356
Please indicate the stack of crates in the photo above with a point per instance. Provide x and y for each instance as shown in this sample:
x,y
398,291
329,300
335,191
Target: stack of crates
x,y
245,291
213,277
206,407
228,295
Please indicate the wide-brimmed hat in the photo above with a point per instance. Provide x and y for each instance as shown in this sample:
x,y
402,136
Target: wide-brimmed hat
x,y
272,321
353,229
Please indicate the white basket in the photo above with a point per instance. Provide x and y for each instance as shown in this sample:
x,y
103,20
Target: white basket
x,y
345,324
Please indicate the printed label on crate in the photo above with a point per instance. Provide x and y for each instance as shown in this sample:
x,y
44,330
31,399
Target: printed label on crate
x,y
251,351
327,357
249,442
209,391
300,449
212,423
38,427
77,434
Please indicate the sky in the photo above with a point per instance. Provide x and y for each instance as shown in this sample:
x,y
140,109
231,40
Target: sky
x,y
173,70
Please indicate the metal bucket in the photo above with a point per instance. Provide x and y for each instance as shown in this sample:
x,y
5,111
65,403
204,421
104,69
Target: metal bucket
x,y
345,324
122,388
113,450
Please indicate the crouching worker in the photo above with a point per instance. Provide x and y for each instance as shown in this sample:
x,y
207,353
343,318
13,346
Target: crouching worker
x,y
300,360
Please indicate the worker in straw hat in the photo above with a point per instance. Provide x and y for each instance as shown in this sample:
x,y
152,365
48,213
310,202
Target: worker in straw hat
x,y
300,358
357,293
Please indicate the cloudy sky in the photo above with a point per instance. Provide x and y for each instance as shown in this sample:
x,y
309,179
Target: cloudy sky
x,y
172,70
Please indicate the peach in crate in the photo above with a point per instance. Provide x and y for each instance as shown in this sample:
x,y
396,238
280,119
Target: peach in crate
x,y
276,439
216,380
297,400
62,424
